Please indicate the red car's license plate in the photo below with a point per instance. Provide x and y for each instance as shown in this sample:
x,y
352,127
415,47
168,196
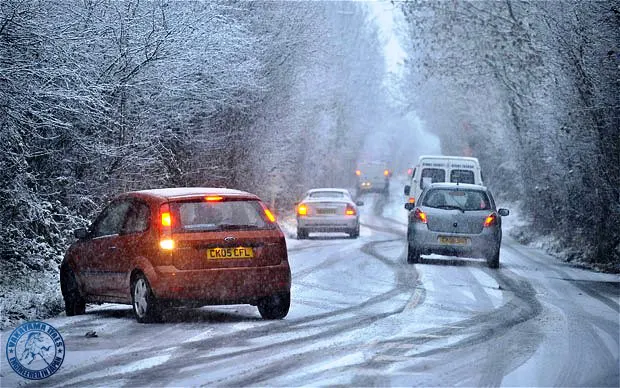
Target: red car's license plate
x,y
230,253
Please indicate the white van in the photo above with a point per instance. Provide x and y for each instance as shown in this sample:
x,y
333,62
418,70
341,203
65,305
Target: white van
x,y
431,169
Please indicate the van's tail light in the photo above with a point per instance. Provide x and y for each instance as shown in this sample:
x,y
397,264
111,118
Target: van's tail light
x,y
166,242
350,210
302,210
490,220
409,171
420,216
386,172
411,200
358,172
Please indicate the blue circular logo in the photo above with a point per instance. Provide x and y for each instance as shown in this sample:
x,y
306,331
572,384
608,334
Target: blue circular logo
x,y
35,350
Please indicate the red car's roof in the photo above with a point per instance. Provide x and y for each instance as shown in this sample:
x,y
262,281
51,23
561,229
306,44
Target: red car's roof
x,y
183,192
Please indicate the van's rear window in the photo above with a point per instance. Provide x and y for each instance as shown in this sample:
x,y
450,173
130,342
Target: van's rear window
x,y
201,215
462,176
436,175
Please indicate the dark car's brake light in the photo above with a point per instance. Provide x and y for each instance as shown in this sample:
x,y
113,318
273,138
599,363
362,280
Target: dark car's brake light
x,y
166,242
490,220
420,216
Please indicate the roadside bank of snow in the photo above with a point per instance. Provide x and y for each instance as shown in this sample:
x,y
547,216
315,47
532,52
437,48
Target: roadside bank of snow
x,y
519,228
27,294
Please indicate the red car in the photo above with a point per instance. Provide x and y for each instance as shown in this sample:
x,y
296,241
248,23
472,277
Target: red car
x,y
179,246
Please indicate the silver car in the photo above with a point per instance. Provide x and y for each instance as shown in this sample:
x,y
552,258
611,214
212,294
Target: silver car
x,y
328,210
455,220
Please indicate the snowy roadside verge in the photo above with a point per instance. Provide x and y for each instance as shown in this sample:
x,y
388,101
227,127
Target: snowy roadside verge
x,y
28,294
519,228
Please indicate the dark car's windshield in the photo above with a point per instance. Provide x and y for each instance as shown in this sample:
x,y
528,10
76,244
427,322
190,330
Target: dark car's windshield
x,y
466,200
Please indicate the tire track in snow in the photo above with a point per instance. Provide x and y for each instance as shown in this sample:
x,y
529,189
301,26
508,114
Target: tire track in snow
x,y
292,334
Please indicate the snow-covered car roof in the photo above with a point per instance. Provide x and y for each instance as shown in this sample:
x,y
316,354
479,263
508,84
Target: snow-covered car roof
x,y
328,189
311,194
178,192
451,185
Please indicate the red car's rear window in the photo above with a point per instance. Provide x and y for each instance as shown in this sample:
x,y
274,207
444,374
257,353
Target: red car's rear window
x,y
202,215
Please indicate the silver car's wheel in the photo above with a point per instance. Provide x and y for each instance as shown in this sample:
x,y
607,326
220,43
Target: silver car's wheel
x,y
413,256
144,303
493,259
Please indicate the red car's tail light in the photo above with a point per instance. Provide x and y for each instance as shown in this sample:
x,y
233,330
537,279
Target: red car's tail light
x,y
166,242
165,217
420,216
269,215
302,210
166,220
490,220
350,210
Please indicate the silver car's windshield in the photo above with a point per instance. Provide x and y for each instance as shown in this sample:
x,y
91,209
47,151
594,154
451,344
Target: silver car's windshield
x,y
465,200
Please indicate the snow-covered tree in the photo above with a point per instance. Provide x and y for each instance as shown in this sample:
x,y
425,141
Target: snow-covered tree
x,y
531,89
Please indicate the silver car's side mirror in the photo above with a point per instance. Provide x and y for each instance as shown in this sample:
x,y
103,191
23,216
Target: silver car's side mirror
x,y
359,203
503,212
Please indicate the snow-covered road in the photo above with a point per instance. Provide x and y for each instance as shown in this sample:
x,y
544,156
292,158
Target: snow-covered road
x,y
361,316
